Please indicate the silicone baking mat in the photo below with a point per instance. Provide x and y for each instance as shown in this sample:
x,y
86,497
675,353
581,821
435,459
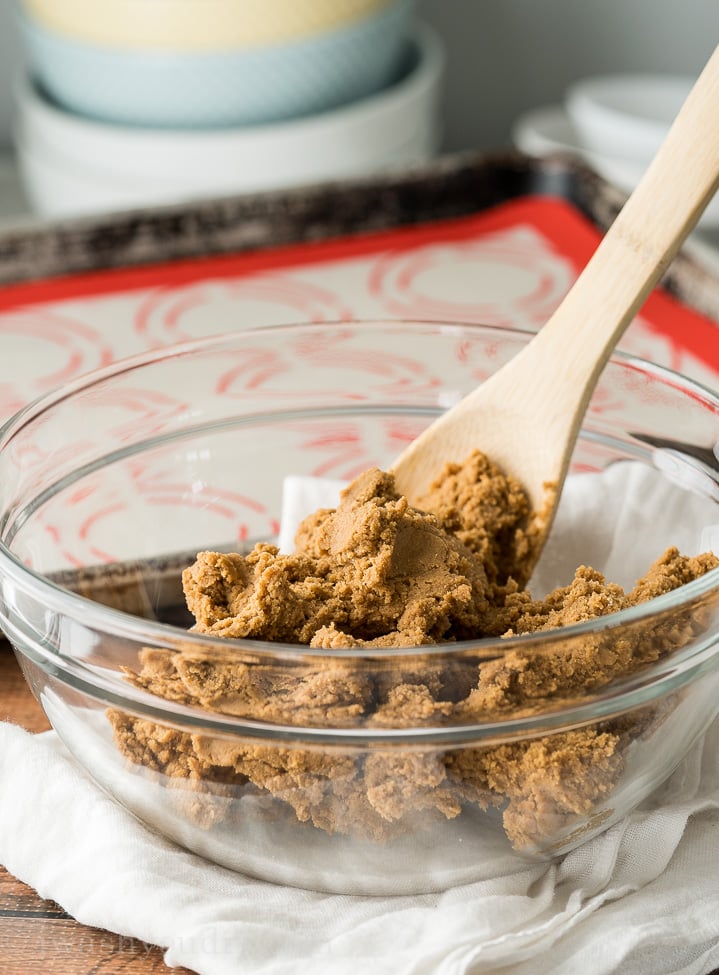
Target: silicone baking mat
x,y
508,265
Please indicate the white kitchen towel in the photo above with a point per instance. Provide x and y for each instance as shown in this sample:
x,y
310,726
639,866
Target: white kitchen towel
x,y
641,898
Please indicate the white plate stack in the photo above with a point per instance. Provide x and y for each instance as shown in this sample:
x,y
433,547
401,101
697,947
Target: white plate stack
x,y
615,123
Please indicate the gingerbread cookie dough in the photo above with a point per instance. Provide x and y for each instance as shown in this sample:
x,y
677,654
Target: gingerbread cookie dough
x,y
378,573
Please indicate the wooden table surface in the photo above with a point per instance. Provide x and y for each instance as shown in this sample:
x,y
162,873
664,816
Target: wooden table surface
x,y
37,937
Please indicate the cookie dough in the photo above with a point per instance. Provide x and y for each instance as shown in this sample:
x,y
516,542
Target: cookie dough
x,y
375,571
378,573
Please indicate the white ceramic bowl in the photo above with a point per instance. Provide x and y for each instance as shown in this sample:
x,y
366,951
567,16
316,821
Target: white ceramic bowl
x,y
72,165
57,187
231,86
626,116
549,129
196,25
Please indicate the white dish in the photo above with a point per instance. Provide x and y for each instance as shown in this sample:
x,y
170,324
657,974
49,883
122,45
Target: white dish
x,y
60,187
547,130
55,190
327,145
626,116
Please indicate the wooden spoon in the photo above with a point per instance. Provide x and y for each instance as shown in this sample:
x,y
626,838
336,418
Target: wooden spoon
x,y
527,416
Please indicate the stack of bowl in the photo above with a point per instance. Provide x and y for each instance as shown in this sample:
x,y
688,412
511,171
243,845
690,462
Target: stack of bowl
x,y
131,103
615,123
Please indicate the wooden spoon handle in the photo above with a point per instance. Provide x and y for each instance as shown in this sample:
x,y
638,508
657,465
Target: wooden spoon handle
x,y
639,245
527,416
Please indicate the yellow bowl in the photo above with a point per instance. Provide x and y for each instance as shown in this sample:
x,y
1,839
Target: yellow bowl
x,y
197,25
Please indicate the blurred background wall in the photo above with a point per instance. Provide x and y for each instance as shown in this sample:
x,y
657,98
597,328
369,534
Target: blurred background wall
x,y
509,55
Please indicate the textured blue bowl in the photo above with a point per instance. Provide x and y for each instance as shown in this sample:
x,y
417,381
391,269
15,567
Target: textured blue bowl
x,y
240,87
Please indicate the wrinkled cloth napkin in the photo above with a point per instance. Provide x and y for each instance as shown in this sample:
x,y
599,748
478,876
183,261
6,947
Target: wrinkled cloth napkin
x,y
641,898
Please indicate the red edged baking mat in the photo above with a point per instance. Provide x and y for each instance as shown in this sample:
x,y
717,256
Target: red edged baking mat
x,y
507,266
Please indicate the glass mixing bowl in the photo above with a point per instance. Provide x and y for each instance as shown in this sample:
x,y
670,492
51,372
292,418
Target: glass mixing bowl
x,y
282,761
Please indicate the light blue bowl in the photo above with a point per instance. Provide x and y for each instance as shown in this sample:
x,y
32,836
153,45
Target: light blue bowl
x,y
240,87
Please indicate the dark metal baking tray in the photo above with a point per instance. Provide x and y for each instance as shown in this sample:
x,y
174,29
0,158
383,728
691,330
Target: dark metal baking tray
x,y
451,186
